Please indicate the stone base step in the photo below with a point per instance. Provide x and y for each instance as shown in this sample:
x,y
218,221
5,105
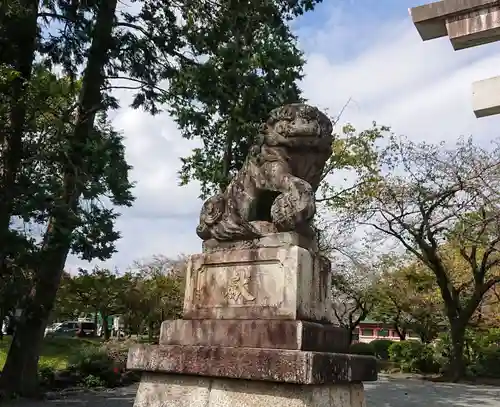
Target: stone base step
x,y
162,390
277,365
276,334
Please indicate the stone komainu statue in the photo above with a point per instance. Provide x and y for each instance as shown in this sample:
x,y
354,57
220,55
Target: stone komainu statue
x,y
276,185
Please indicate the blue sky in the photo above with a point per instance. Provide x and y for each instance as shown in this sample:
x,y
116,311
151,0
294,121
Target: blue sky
x,y
366,50
370,10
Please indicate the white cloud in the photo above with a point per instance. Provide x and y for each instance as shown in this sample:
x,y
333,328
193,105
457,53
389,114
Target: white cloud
x,y
422,90
164,216
154,148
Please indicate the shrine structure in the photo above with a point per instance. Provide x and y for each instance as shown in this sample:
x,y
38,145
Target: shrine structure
x,y
467,23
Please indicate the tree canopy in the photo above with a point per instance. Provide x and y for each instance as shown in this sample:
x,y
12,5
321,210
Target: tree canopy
x,y
63,168
247,63
439,203
408,299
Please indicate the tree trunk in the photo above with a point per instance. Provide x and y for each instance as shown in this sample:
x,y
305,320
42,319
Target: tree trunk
x,y
459,320
351,334
401,332
105,327
456,369
20,374
150,332
227,160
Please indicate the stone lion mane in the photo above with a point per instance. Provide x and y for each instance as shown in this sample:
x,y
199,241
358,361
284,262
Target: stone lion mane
x,y
276,185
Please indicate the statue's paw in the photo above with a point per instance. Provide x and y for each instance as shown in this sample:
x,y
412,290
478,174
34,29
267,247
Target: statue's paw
x,y
212,210
283,212
289,213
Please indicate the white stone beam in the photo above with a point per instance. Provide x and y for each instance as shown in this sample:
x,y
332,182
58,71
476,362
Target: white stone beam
x,y
486,97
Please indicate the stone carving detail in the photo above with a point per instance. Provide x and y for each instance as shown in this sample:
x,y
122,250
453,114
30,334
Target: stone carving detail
x,y
238,287
276,185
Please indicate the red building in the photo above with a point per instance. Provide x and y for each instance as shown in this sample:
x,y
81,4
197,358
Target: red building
x,y
369,330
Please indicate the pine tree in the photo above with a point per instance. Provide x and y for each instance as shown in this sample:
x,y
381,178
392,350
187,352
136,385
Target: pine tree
x,y
248,63
84,158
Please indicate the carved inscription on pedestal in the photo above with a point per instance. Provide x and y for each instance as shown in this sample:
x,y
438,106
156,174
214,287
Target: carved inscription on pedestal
x,y
262,283
239,284
238,288
231,285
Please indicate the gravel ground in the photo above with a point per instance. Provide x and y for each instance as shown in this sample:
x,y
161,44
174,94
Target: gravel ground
x,y
387,392
390,392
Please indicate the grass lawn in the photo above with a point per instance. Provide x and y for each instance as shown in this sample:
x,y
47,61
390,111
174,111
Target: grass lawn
x,y
55,351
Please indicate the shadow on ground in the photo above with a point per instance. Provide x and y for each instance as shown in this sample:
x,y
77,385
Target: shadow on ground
x,y
123,397
389,392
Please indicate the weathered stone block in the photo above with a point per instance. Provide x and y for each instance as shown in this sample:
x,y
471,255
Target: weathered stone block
x,y
278,365
430,19
157,390
273,334
262,283
474,28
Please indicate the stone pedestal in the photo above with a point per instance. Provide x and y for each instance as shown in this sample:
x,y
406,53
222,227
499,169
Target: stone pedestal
x,y
256,330
192,391
467,23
